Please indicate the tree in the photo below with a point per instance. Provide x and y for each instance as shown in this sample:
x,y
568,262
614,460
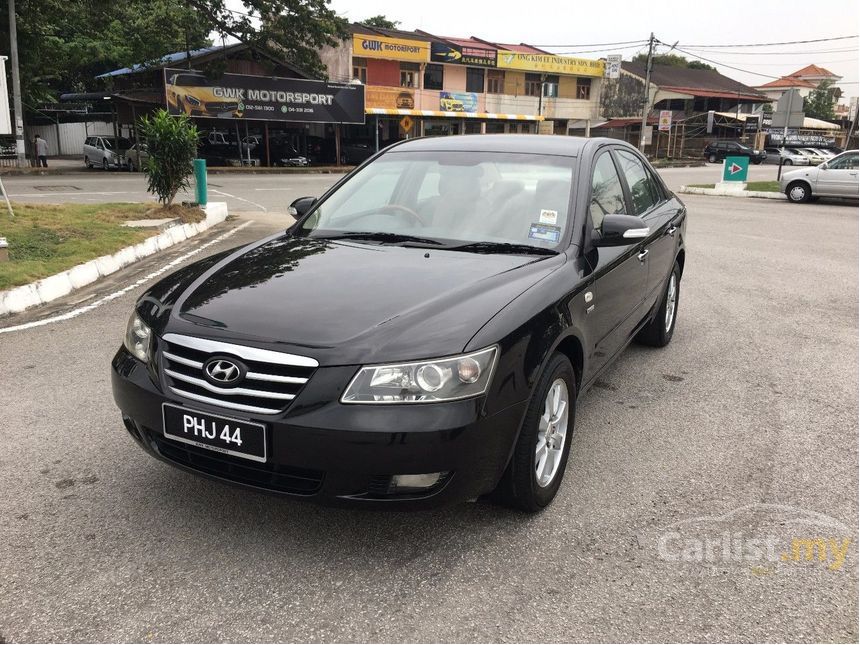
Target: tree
x,y
172,146
819,103
380,22
294,30
64,44
673,60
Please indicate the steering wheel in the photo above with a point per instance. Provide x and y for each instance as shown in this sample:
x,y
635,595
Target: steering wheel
x,y
394,209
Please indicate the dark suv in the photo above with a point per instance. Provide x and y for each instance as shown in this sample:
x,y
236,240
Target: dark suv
x,y
719,150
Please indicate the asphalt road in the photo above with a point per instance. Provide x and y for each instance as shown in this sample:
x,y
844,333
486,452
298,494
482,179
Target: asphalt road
x,y
251,192
744,428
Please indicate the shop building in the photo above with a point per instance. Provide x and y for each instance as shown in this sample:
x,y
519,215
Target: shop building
x,y
422,84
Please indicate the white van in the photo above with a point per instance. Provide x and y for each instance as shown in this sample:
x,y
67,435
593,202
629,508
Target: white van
x,y
105,152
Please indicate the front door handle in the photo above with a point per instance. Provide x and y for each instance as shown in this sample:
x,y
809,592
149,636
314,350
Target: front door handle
x,y
642,255
671,230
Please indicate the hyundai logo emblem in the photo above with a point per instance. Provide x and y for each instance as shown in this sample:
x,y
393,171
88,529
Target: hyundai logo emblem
x,y
223,371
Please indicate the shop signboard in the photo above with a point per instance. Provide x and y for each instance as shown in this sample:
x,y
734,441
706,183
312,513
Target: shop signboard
x,y
461,55
367,46
265,98
612,69
458,101
550,63
390,98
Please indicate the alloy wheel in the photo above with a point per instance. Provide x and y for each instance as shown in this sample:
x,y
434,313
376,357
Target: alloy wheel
x,y
671,298
552,433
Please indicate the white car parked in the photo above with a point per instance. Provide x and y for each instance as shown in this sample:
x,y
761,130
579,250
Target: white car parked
x,y
834,178
788,158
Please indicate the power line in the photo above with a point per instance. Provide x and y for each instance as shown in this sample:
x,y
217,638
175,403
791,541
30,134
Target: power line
x,y
794,53
788,42
620,42
605,49
715,62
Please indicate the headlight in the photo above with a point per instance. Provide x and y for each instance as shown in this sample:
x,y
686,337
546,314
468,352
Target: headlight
x,y
192,100
444,379
138,338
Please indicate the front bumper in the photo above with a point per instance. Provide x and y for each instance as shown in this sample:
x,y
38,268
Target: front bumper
x,y
328,452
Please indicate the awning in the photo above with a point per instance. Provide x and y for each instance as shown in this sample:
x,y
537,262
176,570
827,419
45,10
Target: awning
x,y
456,115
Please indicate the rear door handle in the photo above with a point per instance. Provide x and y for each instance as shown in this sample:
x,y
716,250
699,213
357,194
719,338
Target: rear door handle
x,y
642,255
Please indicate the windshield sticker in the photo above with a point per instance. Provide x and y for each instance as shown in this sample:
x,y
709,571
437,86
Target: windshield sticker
x,y
545,232
548,217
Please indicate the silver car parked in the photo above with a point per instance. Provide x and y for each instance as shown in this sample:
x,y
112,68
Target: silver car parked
x,y
788,158
834,178
105,152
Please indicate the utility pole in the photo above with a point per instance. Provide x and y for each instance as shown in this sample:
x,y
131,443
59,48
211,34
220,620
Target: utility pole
x,y
16,88
647,102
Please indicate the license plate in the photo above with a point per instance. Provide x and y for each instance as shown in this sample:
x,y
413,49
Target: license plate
x,y
222,434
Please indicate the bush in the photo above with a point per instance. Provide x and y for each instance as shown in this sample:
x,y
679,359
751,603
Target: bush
x,y
172,144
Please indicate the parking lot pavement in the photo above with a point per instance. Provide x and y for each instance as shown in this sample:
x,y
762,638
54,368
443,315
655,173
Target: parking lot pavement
x,y
742,432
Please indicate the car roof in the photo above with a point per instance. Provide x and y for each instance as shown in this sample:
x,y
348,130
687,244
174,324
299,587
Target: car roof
x,y
541,144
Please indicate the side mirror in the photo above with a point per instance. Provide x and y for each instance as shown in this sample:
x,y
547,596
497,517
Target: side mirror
x,y
621,230
824,166
301,206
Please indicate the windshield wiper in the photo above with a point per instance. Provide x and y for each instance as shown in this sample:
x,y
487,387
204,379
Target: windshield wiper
x,y
501,247
386,238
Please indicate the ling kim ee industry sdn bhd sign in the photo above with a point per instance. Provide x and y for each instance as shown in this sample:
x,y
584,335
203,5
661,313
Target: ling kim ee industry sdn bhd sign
x,y
267,98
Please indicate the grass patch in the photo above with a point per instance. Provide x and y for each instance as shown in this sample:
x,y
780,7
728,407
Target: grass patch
x,y
759,186
47,239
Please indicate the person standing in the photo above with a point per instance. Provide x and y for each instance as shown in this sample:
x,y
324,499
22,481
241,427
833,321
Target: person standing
x,y
41,152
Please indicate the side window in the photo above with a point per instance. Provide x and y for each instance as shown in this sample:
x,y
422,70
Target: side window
x,y
845,162
607,195
642,191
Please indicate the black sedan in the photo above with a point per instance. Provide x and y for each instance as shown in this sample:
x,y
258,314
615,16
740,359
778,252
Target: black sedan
x,y
421,334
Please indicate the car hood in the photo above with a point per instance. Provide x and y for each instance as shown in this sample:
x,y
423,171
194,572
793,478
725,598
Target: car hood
x,y
346,302
809,172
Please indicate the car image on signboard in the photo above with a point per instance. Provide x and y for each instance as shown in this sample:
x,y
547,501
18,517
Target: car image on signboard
x,y
193,94
421,334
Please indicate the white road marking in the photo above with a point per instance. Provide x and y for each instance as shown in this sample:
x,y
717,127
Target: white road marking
x,y
74,313
241,199
50,194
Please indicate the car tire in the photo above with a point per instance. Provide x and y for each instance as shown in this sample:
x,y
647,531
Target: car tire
x,y
658,333
788,162
88,163
712,158
547,427
105,164
798,192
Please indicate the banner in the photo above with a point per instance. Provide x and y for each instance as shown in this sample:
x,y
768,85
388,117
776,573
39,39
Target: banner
x,y
389,98
267,98
366,46
475,56
665,122
550,63
458,101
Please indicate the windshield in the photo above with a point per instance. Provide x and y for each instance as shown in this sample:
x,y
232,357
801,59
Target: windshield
x,y
453,197
111,144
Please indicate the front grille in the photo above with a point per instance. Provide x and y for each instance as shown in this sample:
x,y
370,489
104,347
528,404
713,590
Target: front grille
x,y
214,106
283,479
272,381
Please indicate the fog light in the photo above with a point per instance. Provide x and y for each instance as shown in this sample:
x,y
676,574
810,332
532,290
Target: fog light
x,y
427,480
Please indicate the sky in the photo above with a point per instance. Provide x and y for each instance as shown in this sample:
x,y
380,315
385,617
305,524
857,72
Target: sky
x,y
583,29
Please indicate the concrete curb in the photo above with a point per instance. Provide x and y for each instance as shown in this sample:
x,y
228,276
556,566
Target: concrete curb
x,y
758,194
56,286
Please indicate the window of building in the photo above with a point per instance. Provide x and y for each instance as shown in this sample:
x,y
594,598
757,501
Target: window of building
x,y
359,69
475,80
533,83
495,81
550,86
639,182
409,74
583,88
433,77
607,195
